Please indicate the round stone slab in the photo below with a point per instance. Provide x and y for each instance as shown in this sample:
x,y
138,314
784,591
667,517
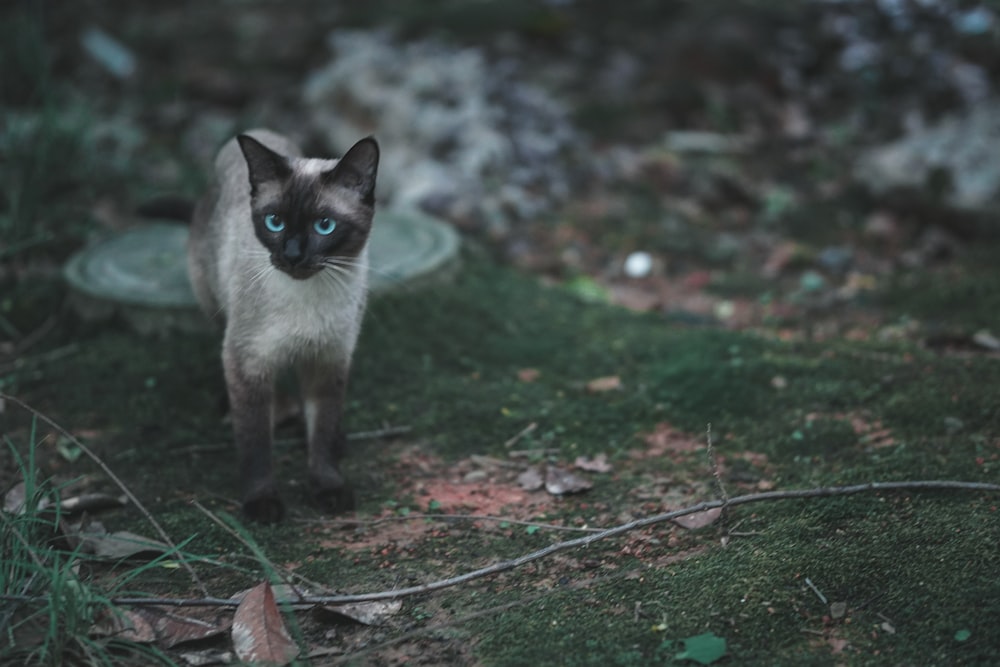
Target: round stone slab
x,y
144,269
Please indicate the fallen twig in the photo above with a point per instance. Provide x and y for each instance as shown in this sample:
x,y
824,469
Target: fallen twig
x,y
121,485
503,566
811,585
520,434
413,516
379,433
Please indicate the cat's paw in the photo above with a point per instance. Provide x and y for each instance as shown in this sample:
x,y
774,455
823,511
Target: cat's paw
x,y
330,492
264,505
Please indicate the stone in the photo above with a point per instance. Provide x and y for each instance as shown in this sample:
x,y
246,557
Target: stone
x,y
964,146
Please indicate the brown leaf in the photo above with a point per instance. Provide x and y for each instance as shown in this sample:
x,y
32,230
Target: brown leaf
x,y
559,481
173,629
528,374
699,519
531,479
259,633
608,383
148,624
597,464
665,438
837,645
376,612
639,299
133,625
284,594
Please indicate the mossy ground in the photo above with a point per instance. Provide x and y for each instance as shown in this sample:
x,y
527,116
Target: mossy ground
x,y
913,569
785,411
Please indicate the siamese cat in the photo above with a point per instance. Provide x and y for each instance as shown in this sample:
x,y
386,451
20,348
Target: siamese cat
x,y
279,252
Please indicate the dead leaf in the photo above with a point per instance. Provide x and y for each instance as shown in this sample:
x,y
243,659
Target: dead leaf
x,y
207,657
531,479
367,613
173,629
528,374
609,383
665,438
259,633
121,544
129,624
284,594
838,610
837,645
148,624
13,501
987,340
639,299
92,502
559,481
597,464
781,257
699,519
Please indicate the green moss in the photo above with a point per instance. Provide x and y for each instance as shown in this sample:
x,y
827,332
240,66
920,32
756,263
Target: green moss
x,y
882,557
965,296
445,361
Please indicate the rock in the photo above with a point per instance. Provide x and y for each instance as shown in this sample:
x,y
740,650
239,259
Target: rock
x,y
810,281
836,259
461,133
965,147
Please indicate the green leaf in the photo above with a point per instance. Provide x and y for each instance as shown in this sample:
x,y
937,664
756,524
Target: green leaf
x,y
531,530
68,450
962,635
588,289
703,649
403,511
434,506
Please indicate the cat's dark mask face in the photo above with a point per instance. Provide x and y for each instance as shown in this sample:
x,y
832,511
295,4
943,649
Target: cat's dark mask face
x,y
309,218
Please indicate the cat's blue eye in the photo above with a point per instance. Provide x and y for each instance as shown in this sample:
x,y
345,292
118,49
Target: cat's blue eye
x,y
273,223
325,226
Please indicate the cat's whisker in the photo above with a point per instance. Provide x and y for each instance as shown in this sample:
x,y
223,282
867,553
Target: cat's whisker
x,y
338,280
355,264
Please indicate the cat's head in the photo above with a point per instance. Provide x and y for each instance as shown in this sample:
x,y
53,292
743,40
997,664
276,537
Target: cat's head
x,y
307,214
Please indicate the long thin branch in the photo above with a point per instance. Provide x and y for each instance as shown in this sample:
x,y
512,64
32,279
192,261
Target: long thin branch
x,y
503,566
121,485
418,516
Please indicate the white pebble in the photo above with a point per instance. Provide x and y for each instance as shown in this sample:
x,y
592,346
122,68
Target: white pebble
x,y
638,264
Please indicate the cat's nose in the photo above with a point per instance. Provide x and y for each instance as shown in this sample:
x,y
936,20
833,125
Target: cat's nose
x,y
293,251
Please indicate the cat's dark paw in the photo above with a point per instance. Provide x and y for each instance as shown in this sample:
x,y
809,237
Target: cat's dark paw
x,y
264,505
330,492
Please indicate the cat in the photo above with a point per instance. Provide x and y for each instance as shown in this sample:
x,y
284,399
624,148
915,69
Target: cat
x,y
278,253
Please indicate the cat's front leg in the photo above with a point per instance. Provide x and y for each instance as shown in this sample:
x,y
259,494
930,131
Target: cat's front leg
x,y
250,402
323,389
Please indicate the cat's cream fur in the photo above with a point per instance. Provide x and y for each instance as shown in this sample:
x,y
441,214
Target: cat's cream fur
x,y
273,320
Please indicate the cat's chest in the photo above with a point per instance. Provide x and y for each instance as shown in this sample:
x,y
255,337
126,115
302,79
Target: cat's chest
x,y
289,318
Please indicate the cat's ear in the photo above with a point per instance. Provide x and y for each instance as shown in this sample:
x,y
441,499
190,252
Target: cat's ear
x,y
357,169
264,164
